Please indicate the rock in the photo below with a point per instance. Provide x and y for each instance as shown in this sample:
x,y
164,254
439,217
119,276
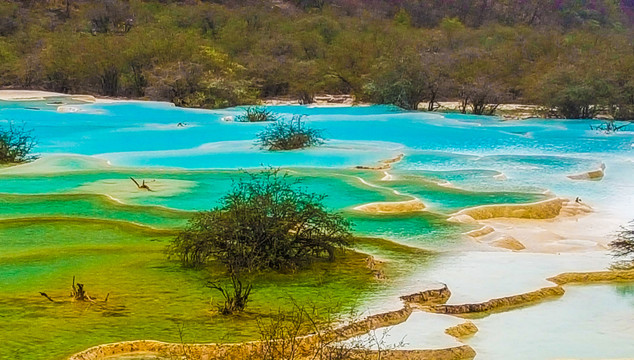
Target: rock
x,y
462,218
590,175
462,330
499,303
508,242
485,230
428,297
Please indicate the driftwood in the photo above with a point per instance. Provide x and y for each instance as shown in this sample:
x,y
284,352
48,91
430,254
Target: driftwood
x,y
143,185
78,293
48,297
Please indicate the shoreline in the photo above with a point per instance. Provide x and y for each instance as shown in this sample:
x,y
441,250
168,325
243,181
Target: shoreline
x,y
505,111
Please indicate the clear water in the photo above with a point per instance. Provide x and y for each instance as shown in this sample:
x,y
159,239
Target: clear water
x,y
75,212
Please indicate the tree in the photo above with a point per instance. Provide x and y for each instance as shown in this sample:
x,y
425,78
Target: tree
x,y
264,222
623,247
483,96
289,135
16,144
209,80
451,27
575,92
402,81
111,15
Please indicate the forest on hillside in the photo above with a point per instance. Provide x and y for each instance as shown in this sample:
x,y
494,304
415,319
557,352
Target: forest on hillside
x,y
575,57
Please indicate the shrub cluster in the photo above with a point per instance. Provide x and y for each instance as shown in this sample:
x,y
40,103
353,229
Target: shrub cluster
x,y
16,144
256,114
289,135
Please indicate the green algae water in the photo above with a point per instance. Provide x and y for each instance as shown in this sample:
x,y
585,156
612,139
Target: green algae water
x,y
75,213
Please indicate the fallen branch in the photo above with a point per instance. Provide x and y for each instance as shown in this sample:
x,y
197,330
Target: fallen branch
x,y
79,293
143,185
46,296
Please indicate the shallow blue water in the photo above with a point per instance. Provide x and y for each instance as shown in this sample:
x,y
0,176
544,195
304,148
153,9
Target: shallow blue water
x,y
486,159
451,162
145,126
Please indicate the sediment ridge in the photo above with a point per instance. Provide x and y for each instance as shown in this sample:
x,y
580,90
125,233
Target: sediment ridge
x,y
504,303
428,297
595,175
26,221
305,347
509,302
383,164
590,277
395,207
546,209
432,300
495,221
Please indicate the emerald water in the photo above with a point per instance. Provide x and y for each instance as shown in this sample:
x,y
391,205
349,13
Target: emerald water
x,y
75,212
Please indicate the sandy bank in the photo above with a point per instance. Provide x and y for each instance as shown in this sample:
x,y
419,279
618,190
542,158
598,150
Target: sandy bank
x,y
505,111
396,207
28,95
319,100
38,95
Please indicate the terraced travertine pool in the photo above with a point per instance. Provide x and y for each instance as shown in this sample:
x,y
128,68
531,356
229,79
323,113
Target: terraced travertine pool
x,y
75,212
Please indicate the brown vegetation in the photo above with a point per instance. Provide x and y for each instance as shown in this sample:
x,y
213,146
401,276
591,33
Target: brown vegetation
x,y
573,57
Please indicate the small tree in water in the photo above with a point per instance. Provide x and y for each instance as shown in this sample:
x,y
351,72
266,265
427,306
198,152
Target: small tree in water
x,y
623,247
257,114
16,144
289,135
264,222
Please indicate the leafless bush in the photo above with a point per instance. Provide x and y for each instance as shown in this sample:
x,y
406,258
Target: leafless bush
x,y
16,144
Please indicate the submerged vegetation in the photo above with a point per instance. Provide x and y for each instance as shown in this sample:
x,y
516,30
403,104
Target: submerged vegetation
x,y
609,127
290,134
574,57
265,222
16,144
